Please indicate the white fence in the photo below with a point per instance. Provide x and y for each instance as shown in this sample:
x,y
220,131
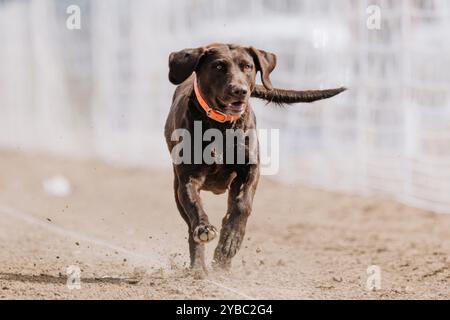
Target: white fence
x,y
103,90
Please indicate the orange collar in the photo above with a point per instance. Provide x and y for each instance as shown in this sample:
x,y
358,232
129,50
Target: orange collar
x,y
210,112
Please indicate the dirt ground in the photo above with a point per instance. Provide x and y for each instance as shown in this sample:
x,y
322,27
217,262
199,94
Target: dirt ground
x,y
121,228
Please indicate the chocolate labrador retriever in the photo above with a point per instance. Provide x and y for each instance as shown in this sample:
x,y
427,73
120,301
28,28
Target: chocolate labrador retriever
x,y
215,83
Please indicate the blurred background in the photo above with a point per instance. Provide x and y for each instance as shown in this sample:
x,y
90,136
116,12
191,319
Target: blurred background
x,y
102,92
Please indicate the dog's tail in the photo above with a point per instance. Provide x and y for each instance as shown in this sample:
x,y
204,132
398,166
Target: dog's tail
x,y
282,96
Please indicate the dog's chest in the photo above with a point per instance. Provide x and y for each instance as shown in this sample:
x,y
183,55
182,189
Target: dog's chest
x,y
218,179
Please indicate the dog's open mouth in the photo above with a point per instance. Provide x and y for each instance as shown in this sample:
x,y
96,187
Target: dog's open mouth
x,y
232,108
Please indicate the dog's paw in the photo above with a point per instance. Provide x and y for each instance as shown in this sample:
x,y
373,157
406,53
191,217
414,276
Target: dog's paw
x,y
199,273
221,264
228,246
204,233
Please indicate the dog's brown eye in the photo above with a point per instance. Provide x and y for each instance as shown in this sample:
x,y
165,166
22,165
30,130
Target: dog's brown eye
x,y
220,66
247,67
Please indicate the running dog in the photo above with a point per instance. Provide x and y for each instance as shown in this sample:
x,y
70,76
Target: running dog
x,y
215,84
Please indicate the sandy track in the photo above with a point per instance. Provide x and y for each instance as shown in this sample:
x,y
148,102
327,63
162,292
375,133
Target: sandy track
x,y
300,243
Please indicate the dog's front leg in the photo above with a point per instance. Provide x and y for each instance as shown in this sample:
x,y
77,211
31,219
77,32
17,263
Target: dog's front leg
x,y
240,201
200,230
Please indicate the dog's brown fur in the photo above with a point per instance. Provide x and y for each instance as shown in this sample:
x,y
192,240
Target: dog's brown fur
x,y
226,76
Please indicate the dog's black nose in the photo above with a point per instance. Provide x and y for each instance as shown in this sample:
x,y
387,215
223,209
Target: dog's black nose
x,y
238,91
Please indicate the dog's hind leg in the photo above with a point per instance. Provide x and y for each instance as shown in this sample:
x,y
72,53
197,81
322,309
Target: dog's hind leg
x,y
240,201
189,204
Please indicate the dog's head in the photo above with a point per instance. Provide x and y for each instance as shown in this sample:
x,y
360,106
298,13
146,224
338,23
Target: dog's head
x,y
225,73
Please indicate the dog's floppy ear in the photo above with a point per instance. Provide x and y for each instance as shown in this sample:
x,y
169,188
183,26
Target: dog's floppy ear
x,y
265,62
183,63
